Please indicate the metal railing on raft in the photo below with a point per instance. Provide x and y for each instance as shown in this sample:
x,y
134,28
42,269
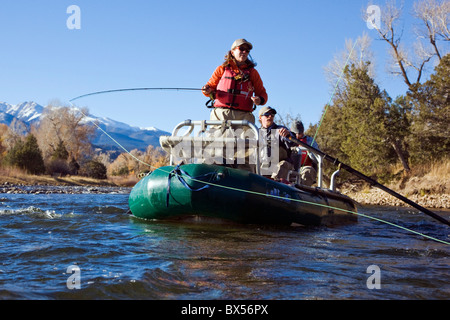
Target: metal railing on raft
x,y
201,139
319,160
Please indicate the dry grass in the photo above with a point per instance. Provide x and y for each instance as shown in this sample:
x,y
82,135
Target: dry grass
x,y
425,179
437,170
20,177
124,181
430,178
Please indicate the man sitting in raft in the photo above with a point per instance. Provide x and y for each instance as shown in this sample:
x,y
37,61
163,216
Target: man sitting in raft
x,y
270,130
304,162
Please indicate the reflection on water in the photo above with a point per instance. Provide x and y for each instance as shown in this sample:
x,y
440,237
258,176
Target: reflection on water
x,y
122,257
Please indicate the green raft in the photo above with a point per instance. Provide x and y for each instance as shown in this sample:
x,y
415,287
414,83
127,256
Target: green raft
x,y
215,191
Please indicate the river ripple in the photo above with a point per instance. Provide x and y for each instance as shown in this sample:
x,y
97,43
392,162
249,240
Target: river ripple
x,y
122,257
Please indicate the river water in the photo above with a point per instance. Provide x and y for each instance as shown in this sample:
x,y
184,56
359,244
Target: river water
x,y
86,246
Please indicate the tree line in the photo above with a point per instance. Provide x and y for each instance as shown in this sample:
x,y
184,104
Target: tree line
x,y
61,144
366,128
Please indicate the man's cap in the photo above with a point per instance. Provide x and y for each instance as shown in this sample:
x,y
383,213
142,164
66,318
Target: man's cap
x,y
297,127
267,109
240,42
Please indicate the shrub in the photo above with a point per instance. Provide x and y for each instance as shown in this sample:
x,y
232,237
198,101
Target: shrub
x,y
93,169
122,171
27,155
73,166
58,167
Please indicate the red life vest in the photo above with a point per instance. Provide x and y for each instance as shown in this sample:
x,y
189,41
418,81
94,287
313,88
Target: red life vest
x,y
234,91
306,160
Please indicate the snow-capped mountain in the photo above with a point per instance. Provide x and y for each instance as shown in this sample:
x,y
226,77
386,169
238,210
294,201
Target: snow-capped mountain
x,y
129,137
26,111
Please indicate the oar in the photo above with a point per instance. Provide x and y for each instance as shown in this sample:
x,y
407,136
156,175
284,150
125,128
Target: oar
x,y
370,180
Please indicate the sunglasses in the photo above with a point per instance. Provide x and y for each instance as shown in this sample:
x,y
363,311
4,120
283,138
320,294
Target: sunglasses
x,y
268,114
244,49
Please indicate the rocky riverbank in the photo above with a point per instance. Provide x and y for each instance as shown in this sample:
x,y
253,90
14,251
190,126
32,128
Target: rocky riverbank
x,y
26,184
372,196
429,193
7,187
425,192
379,197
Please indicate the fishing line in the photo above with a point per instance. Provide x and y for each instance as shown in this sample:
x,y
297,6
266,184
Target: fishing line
x,y
132,89
313,203
116,142
268,195
259,193
122,90
335,89
237,189
332,96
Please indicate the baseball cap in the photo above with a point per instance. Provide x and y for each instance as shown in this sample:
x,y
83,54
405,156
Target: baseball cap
x,y
240,42
297,127
267,109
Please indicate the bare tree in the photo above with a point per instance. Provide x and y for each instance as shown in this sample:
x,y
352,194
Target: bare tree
x,y
119,166
17,130
138,161
356,53
3,130
444,30
64,124
434,16
388,32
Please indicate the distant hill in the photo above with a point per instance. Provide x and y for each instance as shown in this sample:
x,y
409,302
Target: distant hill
x,y
129,137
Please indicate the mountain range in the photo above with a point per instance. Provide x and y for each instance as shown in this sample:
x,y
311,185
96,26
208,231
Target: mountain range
x,y
130,137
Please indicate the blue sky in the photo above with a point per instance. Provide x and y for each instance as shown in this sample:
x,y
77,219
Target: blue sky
x,y
137,43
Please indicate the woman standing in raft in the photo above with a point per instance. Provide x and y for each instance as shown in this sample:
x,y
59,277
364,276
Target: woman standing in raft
x,y
236,86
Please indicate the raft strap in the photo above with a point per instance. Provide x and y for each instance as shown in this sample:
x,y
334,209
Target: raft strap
x,y
177,171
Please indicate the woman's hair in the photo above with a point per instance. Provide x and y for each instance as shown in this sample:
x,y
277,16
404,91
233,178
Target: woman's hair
x,y
229,57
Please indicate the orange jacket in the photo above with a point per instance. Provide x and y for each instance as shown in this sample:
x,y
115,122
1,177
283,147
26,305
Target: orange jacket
x,y
255,78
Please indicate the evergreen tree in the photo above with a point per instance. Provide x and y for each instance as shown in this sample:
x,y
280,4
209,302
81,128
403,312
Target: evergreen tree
x,y
331,133
58,161
430,129
363,127
398,124
60,152
27,155
363,118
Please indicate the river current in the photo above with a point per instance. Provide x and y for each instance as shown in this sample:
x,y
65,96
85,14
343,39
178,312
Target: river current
x,y
86,246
